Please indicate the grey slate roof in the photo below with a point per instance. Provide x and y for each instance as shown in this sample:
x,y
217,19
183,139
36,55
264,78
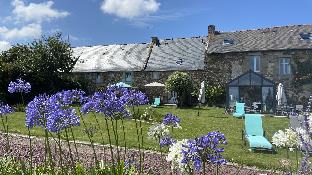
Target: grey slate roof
x,y
275,38
128,57
175,54
178,54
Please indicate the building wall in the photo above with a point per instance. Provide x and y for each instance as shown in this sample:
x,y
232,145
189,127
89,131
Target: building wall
x,y
224,67
139,80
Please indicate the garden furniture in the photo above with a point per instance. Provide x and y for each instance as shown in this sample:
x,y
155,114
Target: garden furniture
x,y
254,133
239,110
156,102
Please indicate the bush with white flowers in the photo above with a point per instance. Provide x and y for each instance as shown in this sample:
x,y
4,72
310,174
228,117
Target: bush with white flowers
x,y
157,131
287,138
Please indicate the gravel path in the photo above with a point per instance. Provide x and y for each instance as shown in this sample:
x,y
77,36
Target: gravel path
x,y
153,161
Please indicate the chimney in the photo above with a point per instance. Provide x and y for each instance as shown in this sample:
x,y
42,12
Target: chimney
x,y
211,30
155,41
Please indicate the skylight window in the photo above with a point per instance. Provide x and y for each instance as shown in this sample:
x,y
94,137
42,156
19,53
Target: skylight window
x,y
306,36
228,42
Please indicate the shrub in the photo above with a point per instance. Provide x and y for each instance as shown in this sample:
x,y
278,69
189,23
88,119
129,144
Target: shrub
x,y
181,83
215,95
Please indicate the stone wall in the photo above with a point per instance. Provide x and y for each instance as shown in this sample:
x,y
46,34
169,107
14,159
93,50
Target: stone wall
x,y
220,69
140,79
224,67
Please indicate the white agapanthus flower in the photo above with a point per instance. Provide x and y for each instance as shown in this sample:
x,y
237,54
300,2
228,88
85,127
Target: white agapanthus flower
x,y
157,131
146,113
289,138
304,134
279,139
292,138
175,155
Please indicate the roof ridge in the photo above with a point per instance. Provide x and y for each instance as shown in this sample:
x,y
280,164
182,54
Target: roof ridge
x,y
266,28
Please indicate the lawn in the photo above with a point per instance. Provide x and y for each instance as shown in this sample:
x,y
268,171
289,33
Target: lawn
x,y
210,119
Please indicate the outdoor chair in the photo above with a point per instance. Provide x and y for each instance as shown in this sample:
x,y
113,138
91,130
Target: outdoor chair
x,y
239,110
156,102
254,133
299,108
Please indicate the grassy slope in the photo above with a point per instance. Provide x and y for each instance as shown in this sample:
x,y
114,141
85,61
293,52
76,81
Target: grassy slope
x,y
210,119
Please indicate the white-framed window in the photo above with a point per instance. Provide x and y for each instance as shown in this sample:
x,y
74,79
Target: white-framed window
x,y
255,63
99,78
155,75
284,66
128,77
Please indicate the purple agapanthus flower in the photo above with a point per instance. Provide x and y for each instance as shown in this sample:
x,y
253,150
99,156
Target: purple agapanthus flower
x,y
166,141
204,149
171,119
36,111
61,119
5,109
19,86
68,97
136,98
109,103
113,101
52,112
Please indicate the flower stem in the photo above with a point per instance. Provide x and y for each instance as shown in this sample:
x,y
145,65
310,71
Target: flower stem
x,y
110,145
138,136
116,140
70,152
204,167
60,152
124,137
161,156
30,150
5,128
75,145
22,99
48,149
92,143
142,142
102,137
297,158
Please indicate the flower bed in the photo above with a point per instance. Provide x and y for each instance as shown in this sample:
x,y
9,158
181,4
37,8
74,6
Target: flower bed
x,y
153,161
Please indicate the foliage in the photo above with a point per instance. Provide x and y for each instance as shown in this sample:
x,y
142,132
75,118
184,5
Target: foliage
x,y
215,95
45,63
288,139
303,72
149,113
48,56
12,166
181,83
304,133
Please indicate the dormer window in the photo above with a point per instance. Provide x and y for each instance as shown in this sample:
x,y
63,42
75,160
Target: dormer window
x,y
228,42
180,61
306,36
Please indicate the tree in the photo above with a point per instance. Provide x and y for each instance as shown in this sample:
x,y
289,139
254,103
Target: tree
x,y
181,83
46,63
48,56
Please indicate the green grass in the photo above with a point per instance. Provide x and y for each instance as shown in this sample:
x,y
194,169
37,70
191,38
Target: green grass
x,y
210,119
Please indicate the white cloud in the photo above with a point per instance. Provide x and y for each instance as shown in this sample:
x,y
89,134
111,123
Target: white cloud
x,y
36,12
130,9
28,31
4,45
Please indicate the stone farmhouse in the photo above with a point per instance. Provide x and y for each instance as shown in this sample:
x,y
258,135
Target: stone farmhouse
x,y
278,54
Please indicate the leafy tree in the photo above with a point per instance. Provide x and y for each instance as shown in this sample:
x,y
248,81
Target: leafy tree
x,y
181,83
48,56
46,63
215,95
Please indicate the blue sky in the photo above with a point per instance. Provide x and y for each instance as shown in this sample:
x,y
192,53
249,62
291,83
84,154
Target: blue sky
x,y
93,22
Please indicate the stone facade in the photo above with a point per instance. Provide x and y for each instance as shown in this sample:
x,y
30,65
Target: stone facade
x,y
227,66
216,59
139,79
